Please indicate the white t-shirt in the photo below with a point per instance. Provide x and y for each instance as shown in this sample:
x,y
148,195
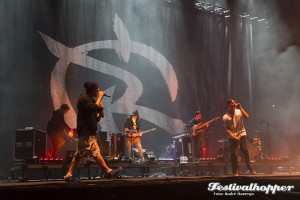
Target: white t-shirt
x,y
235,123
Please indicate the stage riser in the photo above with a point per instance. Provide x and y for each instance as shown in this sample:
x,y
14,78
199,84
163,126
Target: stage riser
x,y
57,171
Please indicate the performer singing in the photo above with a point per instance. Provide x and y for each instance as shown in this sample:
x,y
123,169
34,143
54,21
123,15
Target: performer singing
x,y
55,128
198,136
233,122
132,122
89,113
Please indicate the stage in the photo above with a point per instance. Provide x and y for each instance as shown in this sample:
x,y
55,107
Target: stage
x,y
150,180
144,169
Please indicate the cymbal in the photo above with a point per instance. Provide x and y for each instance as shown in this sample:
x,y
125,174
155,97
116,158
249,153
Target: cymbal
x,y
223,140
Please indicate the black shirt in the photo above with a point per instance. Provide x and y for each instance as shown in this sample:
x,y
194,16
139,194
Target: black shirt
x,y
193,122
129,123
87,115
57,122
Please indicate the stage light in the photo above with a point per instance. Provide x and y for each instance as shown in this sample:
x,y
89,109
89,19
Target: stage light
x,y
260,20
247,18
243,16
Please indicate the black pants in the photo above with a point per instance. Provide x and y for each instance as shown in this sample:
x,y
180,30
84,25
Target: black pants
x,y
233,146
198,143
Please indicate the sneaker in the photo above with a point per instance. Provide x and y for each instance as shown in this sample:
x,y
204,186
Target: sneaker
x,y
71,179
252,171
113,173
235,174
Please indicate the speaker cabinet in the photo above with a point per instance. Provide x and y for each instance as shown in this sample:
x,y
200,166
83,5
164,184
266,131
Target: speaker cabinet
x,y
29,143
117,144
103,143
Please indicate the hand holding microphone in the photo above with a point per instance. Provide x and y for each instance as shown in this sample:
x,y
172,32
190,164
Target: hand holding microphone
x,y
238,105
101,94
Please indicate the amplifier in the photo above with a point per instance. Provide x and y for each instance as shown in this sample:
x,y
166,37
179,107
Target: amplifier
x,y
30,143
103,143
117,144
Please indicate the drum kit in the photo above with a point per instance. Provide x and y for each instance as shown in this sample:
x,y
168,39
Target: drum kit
x,y
255,148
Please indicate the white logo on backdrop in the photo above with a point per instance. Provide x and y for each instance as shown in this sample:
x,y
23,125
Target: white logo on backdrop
x,y
127,103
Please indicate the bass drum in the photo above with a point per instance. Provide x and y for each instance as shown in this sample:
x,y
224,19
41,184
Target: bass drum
x,y
256,142
254,153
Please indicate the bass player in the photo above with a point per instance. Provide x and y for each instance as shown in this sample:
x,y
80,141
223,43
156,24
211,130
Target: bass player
x,y
198,136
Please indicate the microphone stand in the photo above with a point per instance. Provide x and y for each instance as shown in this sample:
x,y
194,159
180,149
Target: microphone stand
x,y
268,133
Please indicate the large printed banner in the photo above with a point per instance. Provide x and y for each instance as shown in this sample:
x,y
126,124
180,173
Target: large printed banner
x,y
127,102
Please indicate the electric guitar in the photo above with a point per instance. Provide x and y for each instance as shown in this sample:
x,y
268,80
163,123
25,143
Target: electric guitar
x,y
198,128
135,134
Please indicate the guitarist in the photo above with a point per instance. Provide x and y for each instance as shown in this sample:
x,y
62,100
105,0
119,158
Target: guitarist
x,y
233,122
55,127
132,123
198,136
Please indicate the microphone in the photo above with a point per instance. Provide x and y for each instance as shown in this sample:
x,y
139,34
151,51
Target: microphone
x,y
104,94
107,95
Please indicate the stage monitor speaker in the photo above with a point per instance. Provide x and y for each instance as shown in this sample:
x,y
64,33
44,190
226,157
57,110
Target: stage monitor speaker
x,y
149,155
117,144
29,143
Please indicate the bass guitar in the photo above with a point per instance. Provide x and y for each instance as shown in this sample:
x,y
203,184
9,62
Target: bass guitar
x,y
199,128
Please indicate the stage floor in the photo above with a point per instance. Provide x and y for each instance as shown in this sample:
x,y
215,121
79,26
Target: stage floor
x,y
169,187
153,180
